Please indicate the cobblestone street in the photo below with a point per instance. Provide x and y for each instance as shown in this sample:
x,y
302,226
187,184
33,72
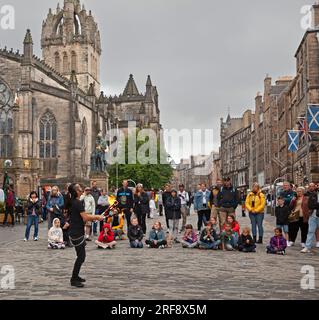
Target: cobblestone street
x,y
174,273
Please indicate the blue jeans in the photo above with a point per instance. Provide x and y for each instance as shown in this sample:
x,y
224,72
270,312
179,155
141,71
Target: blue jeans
x,y
313,226
44,213
209,245
256,220
32,220
232,242
135,244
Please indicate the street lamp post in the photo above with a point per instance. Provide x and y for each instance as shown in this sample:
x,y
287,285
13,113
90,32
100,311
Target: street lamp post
x,y
117,120
130,180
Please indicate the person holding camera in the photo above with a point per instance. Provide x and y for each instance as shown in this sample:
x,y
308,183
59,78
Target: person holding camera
x,y
34,211
201,206
313,222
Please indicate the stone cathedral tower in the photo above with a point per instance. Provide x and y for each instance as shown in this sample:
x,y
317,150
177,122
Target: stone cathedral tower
x,y
71,42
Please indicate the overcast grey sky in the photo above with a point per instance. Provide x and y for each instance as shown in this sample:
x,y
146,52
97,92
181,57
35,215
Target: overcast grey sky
x,y
203,55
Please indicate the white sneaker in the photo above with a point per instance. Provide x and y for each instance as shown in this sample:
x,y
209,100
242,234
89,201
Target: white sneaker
x,y
25,239
305,250
303,245
36,239
290,244
317,244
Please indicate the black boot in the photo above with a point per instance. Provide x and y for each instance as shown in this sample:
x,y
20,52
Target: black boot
x,y
76,283
260,240
255,238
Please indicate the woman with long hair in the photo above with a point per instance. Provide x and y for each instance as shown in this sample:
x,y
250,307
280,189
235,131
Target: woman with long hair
x,y
255,205
141,206
77,235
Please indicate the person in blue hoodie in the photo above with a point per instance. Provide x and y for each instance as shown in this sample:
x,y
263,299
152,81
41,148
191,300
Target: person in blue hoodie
x,y
156,238
201,206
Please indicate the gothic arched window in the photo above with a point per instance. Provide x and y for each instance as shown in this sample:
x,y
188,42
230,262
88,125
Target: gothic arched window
x,y
48,136
57,62
6,121
65,63
73,62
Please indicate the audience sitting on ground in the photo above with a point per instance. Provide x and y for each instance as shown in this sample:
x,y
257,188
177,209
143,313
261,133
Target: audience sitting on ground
x,y
246,242
190,239
278,243
135,234
229,238
209,238
116,220
106,238
156,238
55,236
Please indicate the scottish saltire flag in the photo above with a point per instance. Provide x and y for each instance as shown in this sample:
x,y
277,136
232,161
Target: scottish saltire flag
x,y
293,140
313,117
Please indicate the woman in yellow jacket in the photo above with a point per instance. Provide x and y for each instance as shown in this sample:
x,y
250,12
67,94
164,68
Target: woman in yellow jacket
x,y
255,205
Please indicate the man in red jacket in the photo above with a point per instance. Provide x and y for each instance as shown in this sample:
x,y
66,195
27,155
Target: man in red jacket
x,y
10,202
106,238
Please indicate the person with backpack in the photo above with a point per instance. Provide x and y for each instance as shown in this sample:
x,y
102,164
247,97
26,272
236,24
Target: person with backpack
x,y
228,198
215,212
255,205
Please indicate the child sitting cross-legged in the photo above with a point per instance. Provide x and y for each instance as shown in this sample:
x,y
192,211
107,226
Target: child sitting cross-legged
x,y
208,238
106,238
55,236
156,238
229,238
116,220
190,239
245,242
278,243
215,225
135,234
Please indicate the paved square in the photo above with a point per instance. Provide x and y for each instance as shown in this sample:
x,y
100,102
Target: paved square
x,y
174,273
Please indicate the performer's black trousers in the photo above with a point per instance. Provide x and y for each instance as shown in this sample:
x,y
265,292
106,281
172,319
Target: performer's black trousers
x,y
80,252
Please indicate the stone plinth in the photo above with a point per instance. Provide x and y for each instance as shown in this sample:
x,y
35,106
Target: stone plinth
x,y
101,178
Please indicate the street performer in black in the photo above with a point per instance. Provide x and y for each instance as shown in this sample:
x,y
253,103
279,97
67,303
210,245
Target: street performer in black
x,y
78,219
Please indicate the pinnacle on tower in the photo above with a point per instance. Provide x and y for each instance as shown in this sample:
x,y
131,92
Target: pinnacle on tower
x,y
149,90
131,88
28,38
149,82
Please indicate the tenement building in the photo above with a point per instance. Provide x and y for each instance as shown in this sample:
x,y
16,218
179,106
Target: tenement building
x,y
235,146
51,109
281,107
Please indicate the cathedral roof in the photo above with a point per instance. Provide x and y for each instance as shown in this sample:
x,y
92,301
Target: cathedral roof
x,y
131,88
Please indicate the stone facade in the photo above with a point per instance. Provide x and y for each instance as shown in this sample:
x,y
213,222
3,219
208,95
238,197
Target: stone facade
x,y
280,108
198,169
51,110
235,146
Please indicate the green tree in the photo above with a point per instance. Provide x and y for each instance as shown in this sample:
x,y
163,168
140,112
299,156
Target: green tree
x,y
150,175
